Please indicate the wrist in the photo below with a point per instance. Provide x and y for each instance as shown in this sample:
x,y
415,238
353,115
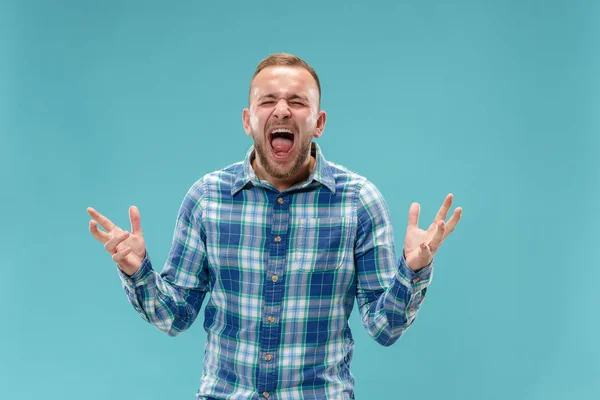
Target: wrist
x,y
416,263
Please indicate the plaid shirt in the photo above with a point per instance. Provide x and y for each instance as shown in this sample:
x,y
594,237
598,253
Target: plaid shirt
x,y
283,270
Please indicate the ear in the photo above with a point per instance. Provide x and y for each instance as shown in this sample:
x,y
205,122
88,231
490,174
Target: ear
x,y
246,121
320,124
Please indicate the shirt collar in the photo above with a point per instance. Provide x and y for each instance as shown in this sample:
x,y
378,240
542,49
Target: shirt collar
x,y
321,172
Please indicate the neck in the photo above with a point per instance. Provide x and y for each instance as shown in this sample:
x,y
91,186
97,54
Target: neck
x,y
283,184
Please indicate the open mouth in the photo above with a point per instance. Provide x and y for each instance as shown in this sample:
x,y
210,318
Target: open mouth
x,y
282,141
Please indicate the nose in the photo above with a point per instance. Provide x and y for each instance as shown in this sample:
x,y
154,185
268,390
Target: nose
x,y
282,110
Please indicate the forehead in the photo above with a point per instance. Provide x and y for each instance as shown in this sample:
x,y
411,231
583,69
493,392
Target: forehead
x,y
283,80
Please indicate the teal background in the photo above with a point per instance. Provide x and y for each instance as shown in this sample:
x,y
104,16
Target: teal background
x,y
114,103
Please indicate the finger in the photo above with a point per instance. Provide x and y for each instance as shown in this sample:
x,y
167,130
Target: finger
x,y
431,231
453,221
101,219
443,211
437,239
112,244
413,215
134,218
121,254
102,237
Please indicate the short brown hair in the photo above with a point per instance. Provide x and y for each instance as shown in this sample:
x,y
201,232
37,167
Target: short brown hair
x,y
288,60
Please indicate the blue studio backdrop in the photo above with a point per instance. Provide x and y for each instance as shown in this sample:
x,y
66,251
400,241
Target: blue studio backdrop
x,y
114,103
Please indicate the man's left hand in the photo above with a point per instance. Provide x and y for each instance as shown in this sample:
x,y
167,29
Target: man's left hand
x,y
419,245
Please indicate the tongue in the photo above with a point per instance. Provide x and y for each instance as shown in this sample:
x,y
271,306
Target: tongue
x,y
281,145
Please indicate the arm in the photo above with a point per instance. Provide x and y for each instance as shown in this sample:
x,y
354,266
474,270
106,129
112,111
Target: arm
x,y
172,299
389,293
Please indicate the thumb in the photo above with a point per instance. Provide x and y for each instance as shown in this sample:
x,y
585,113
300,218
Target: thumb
x,y
136,223
425,250
422,258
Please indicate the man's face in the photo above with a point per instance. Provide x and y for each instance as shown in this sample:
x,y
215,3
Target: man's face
x,y
283,117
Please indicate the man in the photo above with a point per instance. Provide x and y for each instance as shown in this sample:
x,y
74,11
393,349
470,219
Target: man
x,y
284,242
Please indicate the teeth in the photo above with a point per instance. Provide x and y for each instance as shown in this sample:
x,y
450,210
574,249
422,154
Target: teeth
x,y
281,130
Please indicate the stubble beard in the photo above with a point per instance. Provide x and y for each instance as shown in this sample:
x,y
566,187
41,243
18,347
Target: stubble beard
x,y
272,169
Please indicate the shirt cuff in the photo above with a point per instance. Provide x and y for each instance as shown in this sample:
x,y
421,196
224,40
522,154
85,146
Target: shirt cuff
x,y
139,277
417,280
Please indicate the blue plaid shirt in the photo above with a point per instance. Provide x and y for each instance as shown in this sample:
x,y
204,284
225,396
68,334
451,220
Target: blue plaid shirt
x,y
283,270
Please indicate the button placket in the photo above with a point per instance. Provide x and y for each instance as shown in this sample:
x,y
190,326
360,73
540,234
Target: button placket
x,y
270,334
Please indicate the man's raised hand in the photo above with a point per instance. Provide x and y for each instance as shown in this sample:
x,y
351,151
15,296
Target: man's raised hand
x,y
419,245
127,249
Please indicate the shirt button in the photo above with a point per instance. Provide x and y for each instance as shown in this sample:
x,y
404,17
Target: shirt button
x,y
411,309
280,200
268,357
266,395
277,239
274,278
271,319
416,280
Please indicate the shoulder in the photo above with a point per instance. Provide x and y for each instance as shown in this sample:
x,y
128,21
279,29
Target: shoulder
x,y
344,176
223,178
211,183
347,179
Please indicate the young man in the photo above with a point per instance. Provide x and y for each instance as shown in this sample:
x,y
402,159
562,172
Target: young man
x,y
284,242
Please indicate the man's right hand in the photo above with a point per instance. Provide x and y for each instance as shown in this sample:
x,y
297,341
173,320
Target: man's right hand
x,y
127,249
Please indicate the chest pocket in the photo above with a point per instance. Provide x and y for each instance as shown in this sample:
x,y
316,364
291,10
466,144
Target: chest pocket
x,y
320,244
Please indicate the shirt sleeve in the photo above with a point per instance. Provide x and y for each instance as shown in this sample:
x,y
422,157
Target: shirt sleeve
x,y
172,299
389,293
